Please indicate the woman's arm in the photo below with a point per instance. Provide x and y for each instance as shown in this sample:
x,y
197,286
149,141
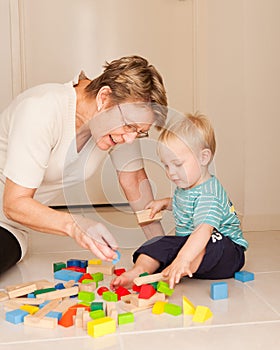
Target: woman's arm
x,y
20,206
138,192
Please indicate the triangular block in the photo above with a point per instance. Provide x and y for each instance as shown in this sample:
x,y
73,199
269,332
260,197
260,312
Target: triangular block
x,y
202,314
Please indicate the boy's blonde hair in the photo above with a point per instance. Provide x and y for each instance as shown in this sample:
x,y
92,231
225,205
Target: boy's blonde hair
x,y
195,131
133,78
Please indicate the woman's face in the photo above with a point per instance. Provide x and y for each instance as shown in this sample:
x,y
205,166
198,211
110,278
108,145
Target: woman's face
x,y
122,123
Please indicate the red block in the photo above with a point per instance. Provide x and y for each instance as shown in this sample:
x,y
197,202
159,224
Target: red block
x,y
77,269
146,291
121,291
67,319
86,276
136,288
118,272
78,306
101,290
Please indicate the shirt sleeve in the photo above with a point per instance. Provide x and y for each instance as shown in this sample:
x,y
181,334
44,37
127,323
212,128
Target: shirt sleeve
x,y
208,210
31,139
127,157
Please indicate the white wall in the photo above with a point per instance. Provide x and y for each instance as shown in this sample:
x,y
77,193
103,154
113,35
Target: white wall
x,y
218,56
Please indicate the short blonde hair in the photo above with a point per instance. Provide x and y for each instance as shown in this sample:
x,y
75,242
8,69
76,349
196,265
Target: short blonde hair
x,y
133,78
194,130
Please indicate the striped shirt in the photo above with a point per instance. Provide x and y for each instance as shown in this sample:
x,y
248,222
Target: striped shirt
x,y
206,203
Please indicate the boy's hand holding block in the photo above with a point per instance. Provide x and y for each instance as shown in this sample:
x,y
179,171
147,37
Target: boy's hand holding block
x,y
143,216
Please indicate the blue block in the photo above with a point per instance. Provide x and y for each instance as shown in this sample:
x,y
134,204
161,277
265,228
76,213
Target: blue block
x,y
16,316
31,295
68,275
73,263
219,290
244,276
54,314
84,263
118,258
59,286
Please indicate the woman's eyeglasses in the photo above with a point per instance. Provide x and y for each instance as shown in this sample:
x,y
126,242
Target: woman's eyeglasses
x,y
130,128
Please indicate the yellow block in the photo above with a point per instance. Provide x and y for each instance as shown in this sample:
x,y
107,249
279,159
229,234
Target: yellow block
x,y
29,308
202,314
188,307
158,307
94,262
101,326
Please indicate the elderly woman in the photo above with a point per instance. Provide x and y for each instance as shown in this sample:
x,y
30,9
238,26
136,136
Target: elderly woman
x,y
51,130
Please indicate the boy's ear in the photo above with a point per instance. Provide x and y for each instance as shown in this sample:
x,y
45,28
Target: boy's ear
x,y
205,156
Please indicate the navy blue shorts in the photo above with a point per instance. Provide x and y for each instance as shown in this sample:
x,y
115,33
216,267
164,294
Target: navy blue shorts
x,y
222,259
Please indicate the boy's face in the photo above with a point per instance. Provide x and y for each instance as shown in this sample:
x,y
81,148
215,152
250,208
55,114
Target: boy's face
x,y
181,163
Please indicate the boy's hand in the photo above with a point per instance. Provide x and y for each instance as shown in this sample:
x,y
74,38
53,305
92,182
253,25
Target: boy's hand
x,y
158,205
174,272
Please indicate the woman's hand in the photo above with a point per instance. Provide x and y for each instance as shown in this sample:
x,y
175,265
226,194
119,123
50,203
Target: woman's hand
x,y
158,205
95,237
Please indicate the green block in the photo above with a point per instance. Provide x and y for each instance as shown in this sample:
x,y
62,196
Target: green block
x,y
154,284
59,266
172,309
163,287
97,314
98,276
85,303
45,290
86,296
110,296
125,318
87,281
96,306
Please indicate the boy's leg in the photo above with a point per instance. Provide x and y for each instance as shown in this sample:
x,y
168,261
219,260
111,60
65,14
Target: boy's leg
x,y
10,251
144,263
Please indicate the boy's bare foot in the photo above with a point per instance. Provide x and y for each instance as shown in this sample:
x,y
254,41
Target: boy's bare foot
x,y
125,280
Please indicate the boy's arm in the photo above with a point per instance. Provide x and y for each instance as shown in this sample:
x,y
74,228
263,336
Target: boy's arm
x,y
190,255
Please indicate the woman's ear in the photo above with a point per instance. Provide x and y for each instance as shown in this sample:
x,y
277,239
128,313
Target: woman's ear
x,y
205,156
103,97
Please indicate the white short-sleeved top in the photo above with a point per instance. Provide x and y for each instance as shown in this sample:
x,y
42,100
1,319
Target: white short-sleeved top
x,y
38,148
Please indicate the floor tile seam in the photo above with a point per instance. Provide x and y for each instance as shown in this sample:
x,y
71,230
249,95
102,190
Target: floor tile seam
x,y
120,334
259,295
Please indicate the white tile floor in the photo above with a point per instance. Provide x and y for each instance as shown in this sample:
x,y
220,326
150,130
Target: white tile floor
x,y
248,319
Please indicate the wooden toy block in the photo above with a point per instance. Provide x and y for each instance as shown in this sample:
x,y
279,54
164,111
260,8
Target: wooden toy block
x,y
146,291
244,276
121,291
29,308
106,269
86,319
67,319
80,306
101,290
119,272
118,258
29,301
163,287
54,314
97,314
150,302
62,293
202,314
111,310
10,305
219,290
86,276
18,292
16,316
73,263
45,322
42,291
110,296
136,288
101,326
97,305
76,269
58,266
39,285
79,318
86,296
172,309
97,276
46,309
95,262
148,279
129,307
67,275
87,287
69,284
64,305
143,216
3,296
158,307
130,299
188,307
125,318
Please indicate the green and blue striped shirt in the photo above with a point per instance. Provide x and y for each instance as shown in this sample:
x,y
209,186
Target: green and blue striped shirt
x,y
206,203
